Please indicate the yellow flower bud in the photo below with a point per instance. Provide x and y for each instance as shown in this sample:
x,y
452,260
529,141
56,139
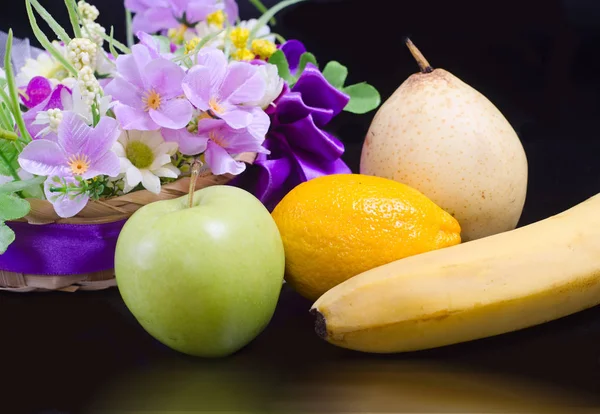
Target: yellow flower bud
x,y
191,44
216,19
243,54
263,48
239,37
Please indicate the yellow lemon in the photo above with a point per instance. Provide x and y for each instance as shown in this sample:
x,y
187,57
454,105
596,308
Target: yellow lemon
x,y
337,226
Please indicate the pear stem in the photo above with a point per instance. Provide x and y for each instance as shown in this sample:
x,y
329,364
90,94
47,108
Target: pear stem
x,y
193,178
421,61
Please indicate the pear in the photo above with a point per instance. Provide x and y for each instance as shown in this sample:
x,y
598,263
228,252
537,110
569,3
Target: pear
x,y
439,135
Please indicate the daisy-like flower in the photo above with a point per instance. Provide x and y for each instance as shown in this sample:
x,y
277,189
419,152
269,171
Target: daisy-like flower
x,y
80,153
148,92
144,158
45,65
221,89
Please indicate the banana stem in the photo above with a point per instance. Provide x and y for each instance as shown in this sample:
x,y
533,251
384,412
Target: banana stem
x,y
421,61
193,178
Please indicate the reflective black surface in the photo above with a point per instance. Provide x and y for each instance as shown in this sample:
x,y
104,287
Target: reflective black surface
x,y
538,61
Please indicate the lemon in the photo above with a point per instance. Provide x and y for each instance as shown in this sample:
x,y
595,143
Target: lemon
x,y
337,226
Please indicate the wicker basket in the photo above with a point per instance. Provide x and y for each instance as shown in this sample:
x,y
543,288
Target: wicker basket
x,y
99,212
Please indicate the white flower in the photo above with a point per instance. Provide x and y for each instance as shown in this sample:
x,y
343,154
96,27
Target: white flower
x,y
45,65
79,104
88,85
93,31
204,29
145,157
274,85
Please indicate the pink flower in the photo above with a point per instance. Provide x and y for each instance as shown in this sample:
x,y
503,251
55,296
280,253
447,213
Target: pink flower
x,y
220,142
221,88
80,150
148,91
155,15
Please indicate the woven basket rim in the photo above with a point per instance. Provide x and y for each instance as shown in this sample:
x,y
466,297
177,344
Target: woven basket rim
x,y
122,207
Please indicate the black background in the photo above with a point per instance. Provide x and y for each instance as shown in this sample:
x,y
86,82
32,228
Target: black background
x,y
538,61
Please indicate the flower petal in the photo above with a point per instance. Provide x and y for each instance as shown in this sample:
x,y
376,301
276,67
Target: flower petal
x,y
237,118
220,162
189,144
73,133
216,62
169,148
260,124
130,66
174,114
43,157
102,137
150,182
107,164
168,171
164,77
197,87
125,92
131,118
160,161
197,11
243,83
133,176
65,206
38,89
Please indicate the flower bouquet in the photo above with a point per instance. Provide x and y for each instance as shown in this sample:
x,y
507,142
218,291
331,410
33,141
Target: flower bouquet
x,y
92,129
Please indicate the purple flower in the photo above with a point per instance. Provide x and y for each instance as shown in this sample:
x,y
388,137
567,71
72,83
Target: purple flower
x,y
80,150
38,89
219,142
59,98
148,92
67,195
222,89
155,15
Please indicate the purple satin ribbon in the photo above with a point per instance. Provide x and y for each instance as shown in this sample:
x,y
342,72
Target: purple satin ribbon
x,y
61,249
300,147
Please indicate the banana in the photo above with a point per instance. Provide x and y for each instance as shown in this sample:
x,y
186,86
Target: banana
x,y
501,283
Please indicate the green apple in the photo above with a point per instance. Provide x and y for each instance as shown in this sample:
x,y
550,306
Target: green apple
x,y
203,280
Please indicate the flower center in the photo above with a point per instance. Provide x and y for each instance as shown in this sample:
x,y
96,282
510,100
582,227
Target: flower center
x,y
216,19
215,106
151,100
217,139
79,164
140,154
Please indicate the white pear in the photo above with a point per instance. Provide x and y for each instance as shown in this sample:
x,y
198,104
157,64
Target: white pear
x,y
444,138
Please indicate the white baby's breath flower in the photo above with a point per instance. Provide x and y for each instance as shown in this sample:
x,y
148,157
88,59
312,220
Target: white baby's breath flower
x,y
88,85
145,157
88,11
82,52
51,118
93,31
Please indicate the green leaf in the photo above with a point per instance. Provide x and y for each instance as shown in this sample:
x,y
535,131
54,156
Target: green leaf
x,y
54,25
44,41
120,46
262,8
305,58
363,98
283,67
8,158
13,207
268,15
336,74
111,45
12,88
16,186
128,27
74,17
7,236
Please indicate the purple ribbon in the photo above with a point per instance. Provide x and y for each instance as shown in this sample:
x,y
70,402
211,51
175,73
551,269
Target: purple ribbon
x,y
300,147
61,249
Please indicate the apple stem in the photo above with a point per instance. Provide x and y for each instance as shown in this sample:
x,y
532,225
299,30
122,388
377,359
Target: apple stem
x,y
421,61
193,178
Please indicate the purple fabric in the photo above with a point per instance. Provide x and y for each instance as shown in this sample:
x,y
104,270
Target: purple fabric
x,y
61,249
300,148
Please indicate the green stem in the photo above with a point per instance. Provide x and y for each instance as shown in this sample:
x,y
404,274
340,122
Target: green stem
x,y
8,135
12,89
73,16
262,8
128,25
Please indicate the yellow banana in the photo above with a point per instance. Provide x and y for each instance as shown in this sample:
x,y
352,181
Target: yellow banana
x,y
498,284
